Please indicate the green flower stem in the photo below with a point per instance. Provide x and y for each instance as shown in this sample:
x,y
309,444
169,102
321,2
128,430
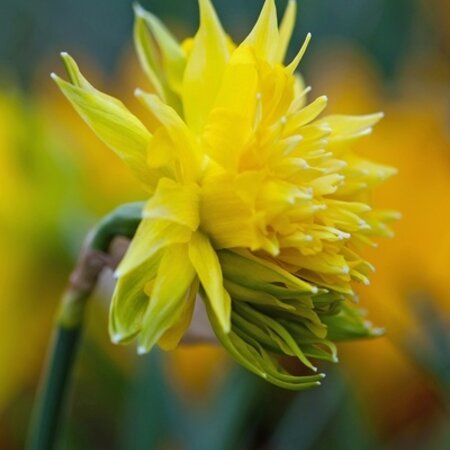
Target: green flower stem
x,y
57,379
94,258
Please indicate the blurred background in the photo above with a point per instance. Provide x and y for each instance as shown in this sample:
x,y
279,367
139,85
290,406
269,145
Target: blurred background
x,y
57,180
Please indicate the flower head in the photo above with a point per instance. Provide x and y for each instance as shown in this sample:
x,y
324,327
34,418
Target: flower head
x,y
257,201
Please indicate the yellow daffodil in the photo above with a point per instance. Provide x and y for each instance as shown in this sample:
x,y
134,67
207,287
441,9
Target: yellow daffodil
x,y
257,201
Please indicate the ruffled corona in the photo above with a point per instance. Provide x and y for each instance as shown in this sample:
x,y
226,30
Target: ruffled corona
x,y
257,201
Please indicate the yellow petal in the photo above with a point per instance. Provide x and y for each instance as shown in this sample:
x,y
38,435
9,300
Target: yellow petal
x,y
292,67
164,65
175,203
349,127
230,123
129,300
109,119
305,115
205,68
151,236
286,29
342,219
225,215
370,172
171,338
326,263
225,136
207,266
147,53
240,83
301,92
264,37
326,185
168,297
184,145
161,152
75,76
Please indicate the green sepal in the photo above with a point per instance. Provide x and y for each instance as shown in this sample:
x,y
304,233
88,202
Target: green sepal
x,y
349,324
239,292
276,331
261,275
251,355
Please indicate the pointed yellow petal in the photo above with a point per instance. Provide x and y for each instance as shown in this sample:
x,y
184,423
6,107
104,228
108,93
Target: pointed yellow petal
x,y
168,297
205,68
148,53
326,263
164,65
348,127
225,136
171,338
305,115
327,184
74,74
230,123
372,173
301,92
109,119
225,215
161,152
129,301
184,145
286,29
151,236
207,266
292,67
264,37
174,202
240,82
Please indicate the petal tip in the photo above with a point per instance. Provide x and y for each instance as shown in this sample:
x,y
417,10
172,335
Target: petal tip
x,y
292,67
142,350
227,327
116,338
139,11
378,332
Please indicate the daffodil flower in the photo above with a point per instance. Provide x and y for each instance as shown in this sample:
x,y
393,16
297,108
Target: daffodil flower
x,y
256,200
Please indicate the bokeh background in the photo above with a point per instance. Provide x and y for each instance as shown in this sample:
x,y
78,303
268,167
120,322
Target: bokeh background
x,y
56,180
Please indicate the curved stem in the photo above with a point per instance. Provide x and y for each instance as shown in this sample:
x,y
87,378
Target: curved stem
x,y
93,259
